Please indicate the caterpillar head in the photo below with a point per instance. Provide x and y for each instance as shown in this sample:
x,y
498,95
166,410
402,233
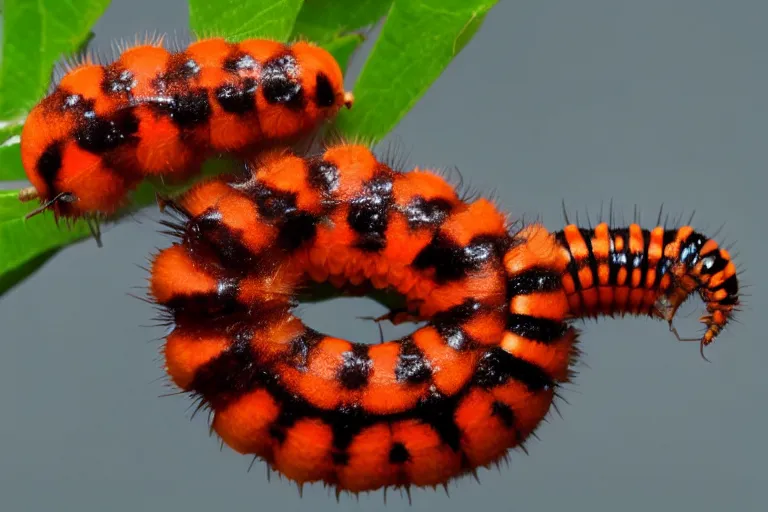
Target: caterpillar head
x,y
708,269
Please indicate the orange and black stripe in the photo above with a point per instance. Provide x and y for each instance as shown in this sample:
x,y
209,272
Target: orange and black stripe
x,y
156,113
456,394
640,271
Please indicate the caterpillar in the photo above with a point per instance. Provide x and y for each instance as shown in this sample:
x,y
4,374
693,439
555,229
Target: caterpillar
x,y
640,271
155,113
459,393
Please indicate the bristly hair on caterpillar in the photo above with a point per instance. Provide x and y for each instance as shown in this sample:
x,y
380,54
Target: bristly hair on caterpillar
x,y
151,113
630,270
474,381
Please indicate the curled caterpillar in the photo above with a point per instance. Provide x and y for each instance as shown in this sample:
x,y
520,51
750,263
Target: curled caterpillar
x,y
640,271
457,394
155,113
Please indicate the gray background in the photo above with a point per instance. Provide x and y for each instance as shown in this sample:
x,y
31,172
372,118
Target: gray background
x,y
646,102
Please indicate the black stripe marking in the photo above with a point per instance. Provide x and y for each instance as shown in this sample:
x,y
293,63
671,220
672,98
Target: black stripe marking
x,y
458,315
181,69
323,176
230,374
207,232
220,302
455,337
449,324
356,367
48,166
60,100
542,330
452,262
280,84
398,454
324,93
498,366
301,348
340,458
297,229
532,281
344,431
285,420
718,263
670,235
504,412
187,110
118,81
273,204
238,98
174,81
422,213
101,134
432,411
730,285
412,366
369,212
239,63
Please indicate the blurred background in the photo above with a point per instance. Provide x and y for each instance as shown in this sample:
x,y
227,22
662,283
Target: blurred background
x,y
647,103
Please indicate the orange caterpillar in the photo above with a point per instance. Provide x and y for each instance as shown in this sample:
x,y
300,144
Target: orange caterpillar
x,y
640,271
154,113
455,395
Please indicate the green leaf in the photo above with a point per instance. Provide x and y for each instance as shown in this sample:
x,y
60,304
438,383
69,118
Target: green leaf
x,y
322,20
36,34
343,47
244,19
9,130
417,42
10,155
27,244
10,164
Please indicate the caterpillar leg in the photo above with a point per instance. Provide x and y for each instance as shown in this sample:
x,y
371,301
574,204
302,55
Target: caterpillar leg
x,y
395,317
665,309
